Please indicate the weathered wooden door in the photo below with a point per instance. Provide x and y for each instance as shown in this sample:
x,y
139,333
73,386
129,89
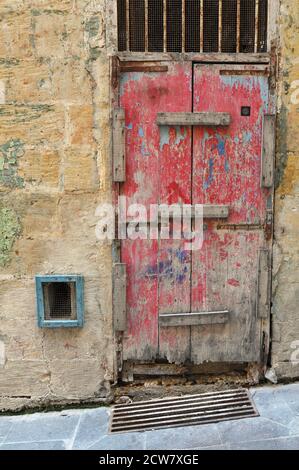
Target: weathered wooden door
x,y
221,289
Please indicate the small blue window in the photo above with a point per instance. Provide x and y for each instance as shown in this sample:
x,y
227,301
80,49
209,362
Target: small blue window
x,y
60,301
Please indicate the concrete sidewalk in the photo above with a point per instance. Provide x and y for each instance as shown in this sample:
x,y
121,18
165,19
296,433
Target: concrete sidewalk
x,y
277,427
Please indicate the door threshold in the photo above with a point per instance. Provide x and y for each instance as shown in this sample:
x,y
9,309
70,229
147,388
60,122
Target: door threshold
x,y
138,371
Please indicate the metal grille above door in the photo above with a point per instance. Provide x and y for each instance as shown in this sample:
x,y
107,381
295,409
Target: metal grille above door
x,y
227,26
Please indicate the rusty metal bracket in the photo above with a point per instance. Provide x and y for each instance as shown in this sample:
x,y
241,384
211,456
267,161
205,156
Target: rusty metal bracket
x,y
135,66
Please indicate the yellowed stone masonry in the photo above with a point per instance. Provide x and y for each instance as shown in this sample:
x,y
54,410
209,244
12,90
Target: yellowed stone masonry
x,y
55,170
285,331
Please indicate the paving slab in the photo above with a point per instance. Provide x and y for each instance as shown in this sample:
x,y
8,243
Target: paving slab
x,y
125,441
52,445
43,427
284,443
93,425
250,429
5,425
183,437
272,406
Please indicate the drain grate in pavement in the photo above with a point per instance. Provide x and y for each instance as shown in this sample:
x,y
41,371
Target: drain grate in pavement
x,y
182,411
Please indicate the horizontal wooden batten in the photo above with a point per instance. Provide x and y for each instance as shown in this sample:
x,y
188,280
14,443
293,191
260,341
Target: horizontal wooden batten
x,y
215,212
193,119
241,58
193,319
209,211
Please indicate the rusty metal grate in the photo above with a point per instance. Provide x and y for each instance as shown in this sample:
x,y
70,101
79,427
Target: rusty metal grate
x,y
262,25
192,25
174,25
247,25
229,26
182,411
210,25
155,26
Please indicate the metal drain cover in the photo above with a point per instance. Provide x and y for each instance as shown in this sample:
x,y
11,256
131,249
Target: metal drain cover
x,y
182,411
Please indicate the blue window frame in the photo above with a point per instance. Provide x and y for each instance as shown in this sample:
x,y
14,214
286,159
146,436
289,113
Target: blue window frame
x,y
54,313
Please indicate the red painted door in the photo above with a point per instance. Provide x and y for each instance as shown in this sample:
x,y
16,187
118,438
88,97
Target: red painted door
x,y
204,165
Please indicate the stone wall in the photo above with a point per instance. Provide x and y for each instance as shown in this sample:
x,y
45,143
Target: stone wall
x,y
54,171
285,347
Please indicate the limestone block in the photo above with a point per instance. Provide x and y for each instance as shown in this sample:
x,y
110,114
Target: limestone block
x,y
41,220
21,378
32,124
77,378
71,82
26,81
80,169
81,124
16,36
57,34
40,167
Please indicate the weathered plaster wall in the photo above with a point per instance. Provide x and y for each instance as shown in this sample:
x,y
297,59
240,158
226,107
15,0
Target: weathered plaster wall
x,y
54,171
285,347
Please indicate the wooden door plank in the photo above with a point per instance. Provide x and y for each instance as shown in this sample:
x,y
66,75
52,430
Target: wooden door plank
x,y
175,188
226,171
148,151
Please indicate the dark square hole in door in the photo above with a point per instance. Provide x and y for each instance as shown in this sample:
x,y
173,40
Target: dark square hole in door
x,y
245,111
59,300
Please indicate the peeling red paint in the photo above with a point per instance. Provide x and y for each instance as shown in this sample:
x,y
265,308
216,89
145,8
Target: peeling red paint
x,y
223,167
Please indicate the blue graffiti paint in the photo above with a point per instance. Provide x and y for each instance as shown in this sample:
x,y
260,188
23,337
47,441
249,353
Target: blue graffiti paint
x,y
126,78
210,177
164,136
221,151
263,82
182,256
144,149
180,278
246,137
221,147
180,136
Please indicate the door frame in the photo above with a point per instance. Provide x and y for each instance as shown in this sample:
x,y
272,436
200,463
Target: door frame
x,y
136,61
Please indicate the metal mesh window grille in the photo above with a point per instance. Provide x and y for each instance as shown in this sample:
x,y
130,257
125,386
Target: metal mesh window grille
x,y
59,300
192,25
